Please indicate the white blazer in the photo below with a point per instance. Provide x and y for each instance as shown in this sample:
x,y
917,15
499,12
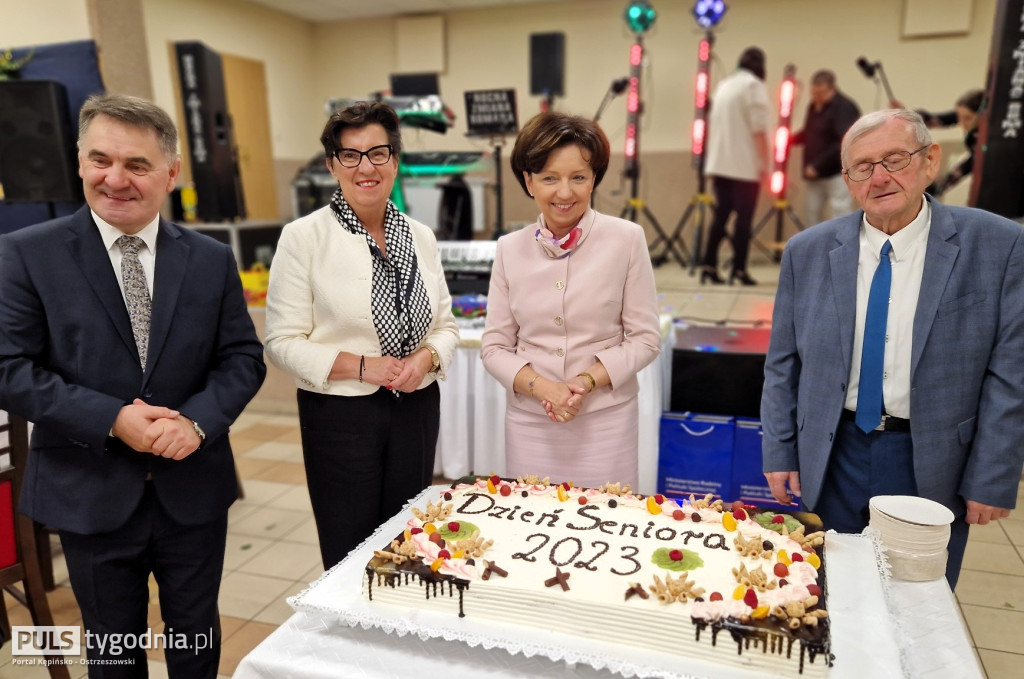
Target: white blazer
x,y
318,302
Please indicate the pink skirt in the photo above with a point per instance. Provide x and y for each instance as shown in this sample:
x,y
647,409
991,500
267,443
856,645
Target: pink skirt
x,y
593,449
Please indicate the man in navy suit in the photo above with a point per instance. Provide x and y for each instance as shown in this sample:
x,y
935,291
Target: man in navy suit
x,y
946,419
132,357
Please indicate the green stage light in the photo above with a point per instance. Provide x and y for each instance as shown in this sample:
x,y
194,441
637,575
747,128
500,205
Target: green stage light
x,y
640,16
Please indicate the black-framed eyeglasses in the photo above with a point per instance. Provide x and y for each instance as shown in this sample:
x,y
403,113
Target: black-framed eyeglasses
x,y
377,155
894,162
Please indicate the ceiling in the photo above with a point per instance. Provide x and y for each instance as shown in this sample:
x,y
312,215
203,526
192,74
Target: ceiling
x,y
335,10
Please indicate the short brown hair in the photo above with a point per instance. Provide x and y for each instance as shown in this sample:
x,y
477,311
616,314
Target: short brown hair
x,y
133,111
358,115
824,77
548,131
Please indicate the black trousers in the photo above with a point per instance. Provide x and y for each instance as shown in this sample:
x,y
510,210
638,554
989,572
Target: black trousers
x,y
365,457
732,195
109,575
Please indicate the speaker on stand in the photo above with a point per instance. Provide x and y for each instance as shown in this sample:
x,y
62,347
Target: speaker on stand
x,y
547,67
209,134
38,159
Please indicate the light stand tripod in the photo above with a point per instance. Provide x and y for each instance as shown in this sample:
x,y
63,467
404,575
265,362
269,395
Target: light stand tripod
x,y
780,158
701,201
499,218
634,203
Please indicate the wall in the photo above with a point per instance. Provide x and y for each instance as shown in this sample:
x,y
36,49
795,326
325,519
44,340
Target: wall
x,y
37,23
248,30
488,48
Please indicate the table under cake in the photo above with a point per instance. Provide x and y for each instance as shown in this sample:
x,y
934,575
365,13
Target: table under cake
x,y
880,628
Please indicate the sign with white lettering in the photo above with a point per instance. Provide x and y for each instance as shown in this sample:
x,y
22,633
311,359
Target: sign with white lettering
x,y
491,113
998,184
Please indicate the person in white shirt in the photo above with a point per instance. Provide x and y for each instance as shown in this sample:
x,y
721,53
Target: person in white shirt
x,y
737,161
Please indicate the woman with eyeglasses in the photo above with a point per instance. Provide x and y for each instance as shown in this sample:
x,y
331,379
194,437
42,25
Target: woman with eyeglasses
x,y
358,312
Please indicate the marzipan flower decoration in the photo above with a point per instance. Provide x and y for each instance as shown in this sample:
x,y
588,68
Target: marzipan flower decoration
x,y
10,68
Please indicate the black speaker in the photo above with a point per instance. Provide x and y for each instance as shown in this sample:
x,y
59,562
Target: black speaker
x,y
719,371
211,142
414,84
38,160
547,64
998,184
455,213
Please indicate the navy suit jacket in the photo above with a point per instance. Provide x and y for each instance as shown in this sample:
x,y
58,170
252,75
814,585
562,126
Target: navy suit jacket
x,y
967,366
68,363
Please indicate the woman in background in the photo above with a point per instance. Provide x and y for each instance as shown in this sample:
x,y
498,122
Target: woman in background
x,y
359,313
572,315
967,108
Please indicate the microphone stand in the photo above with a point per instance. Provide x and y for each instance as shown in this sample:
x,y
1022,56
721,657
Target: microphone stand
x,y
880,76
876,73
617,87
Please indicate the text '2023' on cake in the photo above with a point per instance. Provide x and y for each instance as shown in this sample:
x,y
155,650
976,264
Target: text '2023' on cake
x,y
728,584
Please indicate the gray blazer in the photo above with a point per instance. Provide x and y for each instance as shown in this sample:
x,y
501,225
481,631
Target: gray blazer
x,y
967,371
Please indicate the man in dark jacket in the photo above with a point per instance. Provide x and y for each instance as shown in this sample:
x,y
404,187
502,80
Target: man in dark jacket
x,y
125,339
829,115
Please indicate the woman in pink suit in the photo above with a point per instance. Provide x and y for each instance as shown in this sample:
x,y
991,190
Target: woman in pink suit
x,y
571,314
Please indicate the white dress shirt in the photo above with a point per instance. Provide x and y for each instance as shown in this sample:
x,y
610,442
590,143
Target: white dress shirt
x,y
147,255
741,108
909,246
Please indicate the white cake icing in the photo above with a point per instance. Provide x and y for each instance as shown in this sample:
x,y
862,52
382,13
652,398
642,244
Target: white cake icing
x,y
605,545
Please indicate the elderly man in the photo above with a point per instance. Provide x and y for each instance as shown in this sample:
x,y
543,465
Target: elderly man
x,y
895,358
126,340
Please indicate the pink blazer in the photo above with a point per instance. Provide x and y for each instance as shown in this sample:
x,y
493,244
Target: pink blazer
x,y
561,315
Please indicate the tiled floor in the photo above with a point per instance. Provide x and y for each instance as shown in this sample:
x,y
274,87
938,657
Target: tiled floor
x,y
272,548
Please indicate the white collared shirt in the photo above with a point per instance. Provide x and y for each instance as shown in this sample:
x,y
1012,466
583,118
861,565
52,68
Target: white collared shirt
x,y
909,247
147,255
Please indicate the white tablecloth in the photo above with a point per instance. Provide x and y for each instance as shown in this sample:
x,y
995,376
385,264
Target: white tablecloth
x,y
917,632
472,436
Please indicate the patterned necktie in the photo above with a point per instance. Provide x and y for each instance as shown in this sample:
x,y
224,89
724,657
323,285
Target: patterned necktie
x,y
136,292
869,394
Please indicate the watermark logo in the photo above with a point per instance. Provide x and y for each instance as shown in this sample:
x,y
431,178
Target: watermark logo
x,y
71,640
48,640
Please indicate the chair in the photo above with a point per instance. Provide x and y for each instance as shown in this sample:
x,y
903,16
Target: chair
x,y
26,570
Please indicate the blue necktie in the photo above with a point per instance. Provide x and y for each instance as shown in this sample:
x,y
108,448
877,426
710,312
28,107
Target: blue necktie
x,y
869,393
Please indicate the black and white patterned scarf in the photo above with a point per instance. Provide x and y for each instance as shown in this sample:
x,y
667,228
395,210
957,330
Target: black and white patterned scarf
x,y
399,301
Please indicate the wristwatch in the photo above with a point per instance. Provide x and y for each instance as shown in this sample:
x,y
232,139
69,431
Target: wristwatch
x,y
435,359
199,431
